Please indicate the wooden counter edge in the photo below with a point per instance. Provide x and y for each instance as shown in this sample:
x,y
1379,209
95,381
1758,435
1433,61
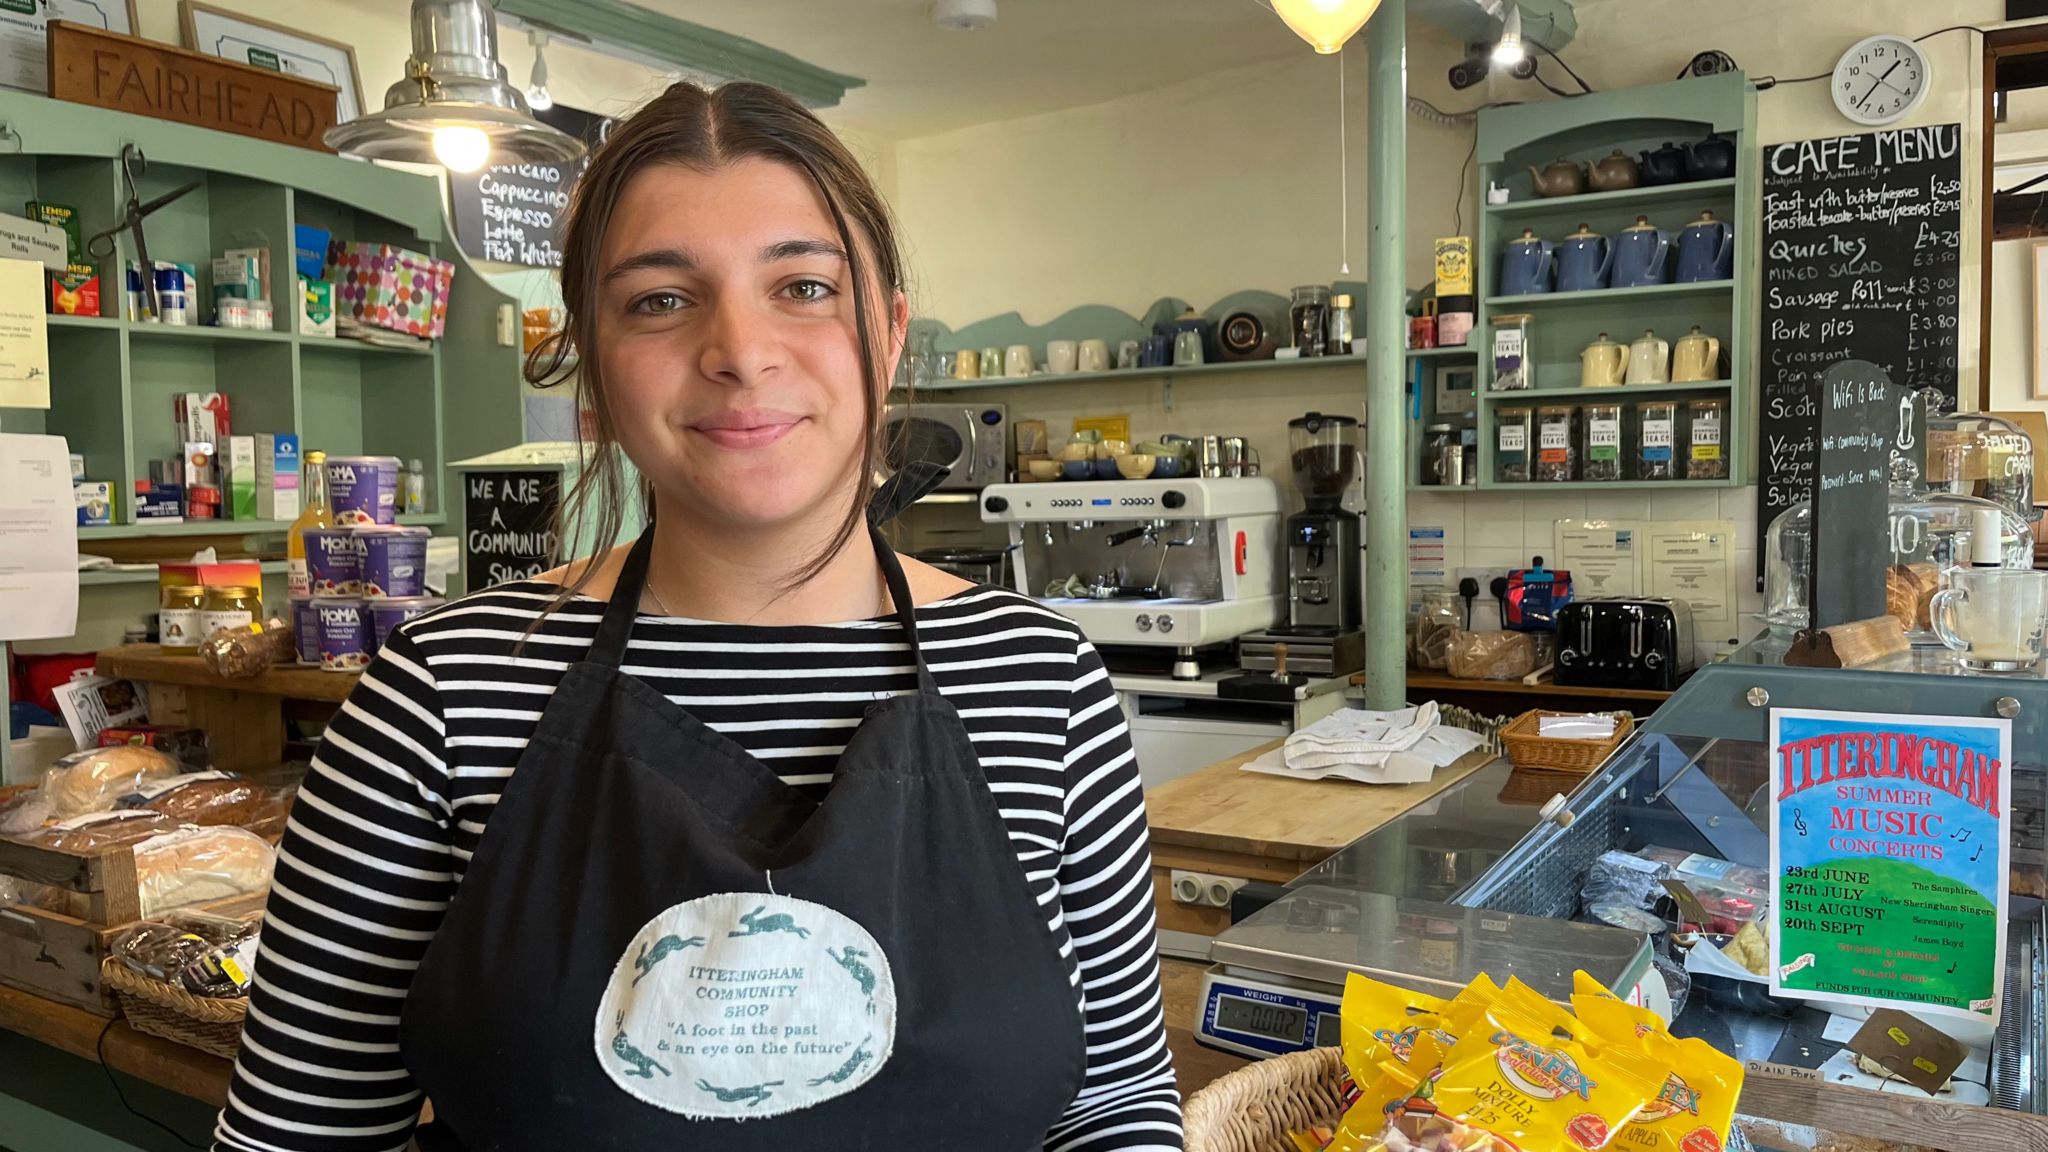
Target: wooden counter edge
x,y
1391,800
149,664
186,1071
1437,682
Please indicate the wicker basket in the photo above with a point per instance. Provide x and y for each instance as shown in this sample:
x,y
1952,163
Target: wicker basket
x,y
1254,1108
1527,749
154,1007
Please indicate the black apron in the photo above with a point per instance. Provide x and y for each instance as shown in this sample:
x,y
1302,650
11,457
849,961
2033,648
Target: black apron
x,y
625,810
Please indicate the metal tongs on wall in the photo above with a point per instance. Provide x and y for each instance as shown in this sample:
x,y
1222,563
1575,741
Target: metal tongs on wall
x,y
101,246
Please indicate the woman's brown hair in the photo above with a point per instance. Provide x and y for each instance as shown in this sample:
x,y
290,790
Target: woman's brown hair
x,y
704,129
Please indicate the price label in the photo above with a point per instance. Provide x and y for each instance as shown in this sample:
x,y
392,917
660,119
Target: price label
x,y
1514,438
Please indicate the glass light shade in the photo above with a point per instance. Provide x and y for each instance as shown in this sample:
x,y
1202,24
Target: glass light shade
x,y
1325,24
461,148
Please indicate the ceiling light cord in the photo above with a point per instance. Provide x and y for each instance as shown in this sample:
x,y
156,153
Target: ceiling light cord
x,y
1343,178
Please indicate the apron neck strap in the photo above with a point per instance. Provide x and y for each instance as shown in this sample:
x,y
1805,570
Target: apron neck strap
x,y
617,628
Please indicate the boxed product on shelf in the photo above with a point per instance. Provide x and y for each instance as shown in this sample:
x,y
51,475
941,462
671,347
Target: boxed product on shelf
x,y
159,503
241,478
309,250
75,291
386,286
95,503
221,574
199,461
202,416
316,307
77,467
277,476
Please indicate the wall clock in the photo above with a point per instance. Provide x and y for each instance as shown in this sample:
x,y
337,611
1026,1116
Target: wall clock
x,y
1880,80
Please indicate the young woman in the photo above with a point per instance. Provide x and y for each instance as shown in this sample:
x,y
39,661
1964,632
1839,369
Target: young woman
x,y
748,834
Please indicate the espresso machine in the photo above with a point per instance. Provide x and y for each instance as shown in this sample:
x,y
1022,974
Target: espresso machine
x,y
1324,632
1181,564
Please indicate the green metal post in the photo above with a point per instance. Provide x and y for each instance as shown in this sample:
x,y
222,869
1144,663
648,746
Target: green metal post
x,y
1386,511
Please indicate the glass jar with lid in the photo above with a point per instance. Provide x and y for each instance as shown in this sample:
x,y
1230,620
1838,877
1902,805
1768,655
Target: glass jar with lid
x,y
1931,534
1439,441
1978,454
1514,444
1307,316
235,607
1557,443
1603,443
177,620
1656,436
1706,440
1513,369
1337,327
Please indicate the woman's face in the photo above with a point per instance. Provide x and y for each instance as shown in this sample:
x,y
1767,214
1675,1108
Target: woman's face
x,y
726,334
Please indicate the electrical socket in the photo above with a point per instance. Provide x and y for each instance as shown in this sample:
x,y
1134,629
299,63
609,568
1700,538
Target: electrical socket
x,y
1485,609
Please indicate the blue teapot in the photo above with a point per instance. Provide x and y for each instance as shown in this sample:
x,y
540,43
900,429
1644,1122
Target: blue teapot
x,y
1641,255
1706,250
1526,267
1583,261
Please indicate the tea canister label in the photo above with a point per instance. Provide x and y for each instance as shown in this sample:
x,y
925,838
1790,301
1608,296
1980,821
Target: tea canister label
x,y
1603,439
1555,437
1514,438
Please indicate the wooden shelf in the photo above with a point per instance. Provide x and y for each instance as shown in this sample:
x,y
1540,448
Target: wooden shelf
x,y
1190,372
1438,682
338,344
226,527
1620,392
1450,353
148,663
103,323
1537,486
206,332
1624,199
1609,297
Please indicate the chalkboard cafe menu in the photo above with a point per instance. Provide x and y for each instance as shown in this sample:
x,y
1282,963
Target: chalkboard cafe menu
x,y
513,213
1862,260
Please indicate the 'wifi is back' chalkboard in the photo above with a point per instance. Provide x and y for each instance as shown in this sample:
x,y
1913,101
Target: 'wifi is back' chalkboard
x,y
1862,259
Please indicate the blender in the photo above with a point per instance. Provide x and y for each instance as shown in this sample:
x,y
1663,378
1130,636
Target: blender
x,y
1324,594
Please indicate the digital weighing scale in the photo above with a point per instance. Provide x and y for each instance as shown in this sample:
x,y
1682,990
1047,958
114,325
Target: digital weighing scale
x,y
1278,982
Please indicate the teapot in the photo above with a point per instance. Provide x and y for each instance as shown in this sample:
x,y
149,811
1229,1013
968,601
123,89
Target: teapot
x,y
1664,166
1526,266
1706,250
1616,172
1697,358
1603,363
1640,255
1561,178
1583,261
1710,159
1649,360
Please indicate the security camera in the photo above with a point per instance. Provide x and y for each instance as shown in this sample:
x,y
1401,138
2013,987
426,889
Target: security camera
x,y
1470,71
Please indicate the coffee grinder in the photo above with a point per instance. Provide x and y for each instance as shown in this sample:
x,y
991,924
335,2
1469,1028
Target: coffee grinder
x,y
1324,634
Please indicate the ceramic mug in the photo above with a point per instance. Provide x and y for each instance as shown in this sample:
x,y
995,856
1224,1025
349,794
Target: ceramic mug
x,y
1017,360
1093,356
1187,348
1127,352
1156,351
1993,618
1061,356
991,363
967,365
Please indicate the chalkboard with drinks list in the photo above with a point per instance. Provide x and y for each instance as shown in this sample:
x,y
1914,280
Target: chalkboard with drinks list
x,y
1862,260
514,213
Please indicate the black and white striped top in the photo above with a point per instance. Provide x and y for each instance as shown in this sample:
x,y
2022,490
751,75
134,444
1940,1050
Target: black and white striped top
x,y
413,763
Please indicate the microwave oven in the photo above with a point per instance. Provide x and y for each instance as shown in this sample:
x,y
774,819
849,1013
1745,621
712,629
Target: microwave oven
x,y
971,441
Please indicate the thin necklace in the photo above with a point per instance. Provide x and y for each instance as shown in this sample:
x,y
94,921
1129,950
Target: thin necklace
x,y
882,603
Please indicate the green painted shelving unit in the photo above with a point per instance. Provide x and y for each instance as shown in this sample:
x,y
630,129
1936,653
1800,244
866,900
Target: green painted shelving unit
x,y
1515,138
112,381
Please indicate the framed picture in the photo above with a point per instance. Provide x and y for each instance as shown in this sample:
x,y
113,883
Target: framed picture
x,y
2038,387
24,45
247,40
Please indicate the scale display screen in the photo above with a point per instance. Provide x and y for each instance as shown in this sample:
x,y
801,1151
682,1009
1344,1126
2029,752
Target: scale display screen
x,y
1329,1030
1282,1022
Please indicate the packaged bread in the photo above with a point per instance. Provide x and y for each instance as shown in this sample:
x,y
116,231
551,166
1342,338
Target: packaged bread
x,y
205,798
1909,594
96,830
202,954
92,780
197,865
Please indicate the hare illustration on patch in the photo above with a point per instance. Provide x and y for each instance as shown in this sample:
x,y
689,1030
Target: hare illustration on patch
x,y
662,949
850,959
753,1094
779,922
860,1056
642,1064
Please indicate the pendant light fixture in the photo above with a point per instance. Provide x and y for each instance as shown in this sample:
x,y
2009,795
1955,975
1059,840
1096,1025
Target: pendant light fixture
x,y
455,106
538,97
1325,24
1510,51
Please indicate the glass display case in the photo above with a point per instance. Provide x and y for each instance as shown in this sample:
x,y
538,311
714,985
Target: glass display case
x,y
1978,454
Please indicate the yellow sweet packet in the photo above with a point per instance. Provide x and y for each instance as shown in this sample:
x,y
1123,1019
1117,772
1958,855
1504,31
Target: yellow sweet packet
x,y
1693,1109
1381,1022
1393,1038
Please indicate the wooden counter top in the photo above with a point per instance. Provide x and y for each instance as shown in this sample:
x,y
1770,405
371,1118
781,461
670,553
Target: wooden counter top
x,y
1438,682
1223,808
148,663
186,1071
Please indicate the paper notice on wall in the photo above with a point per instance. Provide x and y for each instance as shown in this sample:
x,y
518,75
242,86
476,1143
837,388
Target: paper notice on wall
x,y
24,338
1426,564
1689,560
1601,555
38,539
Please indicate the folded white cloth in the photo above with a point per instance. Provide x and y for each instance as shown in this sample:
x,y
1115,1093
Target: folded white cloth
x,y
1403,746
1361,732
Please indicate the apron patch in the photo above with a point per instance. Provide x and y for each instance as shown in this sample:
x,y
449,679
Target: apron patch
x,y
744,1004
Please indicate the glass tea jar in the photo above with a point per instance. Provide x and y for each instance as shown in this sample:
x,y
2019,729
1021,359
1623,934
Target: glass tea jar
x,y
1512,369
1557,451
1307,317
1656,433
1337,328
1603,443
1439,441
1706,438
1514,441
177,620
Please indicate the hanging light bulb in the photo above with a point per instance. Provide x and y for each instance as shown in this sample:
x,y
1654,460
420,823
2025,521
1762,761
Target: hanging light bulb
x,y
1325,24
538,97
1510,51
454,104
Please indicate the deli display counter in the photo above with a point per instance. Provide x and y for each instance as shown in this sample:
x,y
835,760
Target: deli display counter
x,y
1881,779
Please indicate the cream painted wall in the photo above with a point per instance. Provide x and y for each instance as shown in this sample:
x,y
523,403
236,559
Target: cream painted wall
x,y
1195,190
2012,326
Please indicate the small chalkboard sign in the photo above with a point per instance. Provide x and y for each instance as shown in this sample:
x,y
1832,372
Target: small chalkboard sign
x,y
513,213
1860,415
508,526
